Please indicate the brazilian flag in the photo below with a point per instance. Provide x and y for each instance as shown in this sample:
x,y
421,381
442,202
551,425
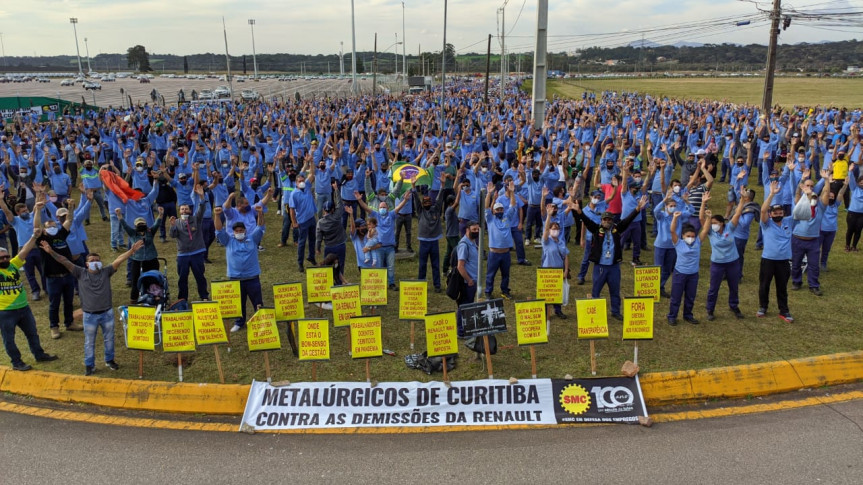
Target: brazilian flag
x,y
409,175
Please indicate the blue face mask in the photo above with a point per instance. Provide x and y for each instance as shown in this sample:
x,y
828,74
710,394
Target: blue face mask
x,y
382,211
499,215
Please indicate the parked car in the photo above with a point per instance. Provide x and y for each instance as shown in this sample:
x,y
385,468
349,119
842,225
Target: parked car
x,y
249,95
91,85
67,82
222,92
43,80
206,94
143,80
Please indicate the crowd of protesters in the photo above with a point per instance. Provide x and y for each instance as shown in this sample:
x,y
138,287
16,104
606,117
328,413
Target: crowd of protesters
x,y
606,175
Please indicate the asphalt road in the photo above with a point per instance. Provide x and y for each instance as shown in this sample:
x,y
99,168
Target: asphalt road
x,y
808,445
110,92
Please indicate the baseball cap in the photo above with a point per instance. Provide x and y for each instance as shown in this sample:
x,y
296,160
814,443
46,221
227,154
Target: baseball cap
x,y
597,193
238,225
62,211
498,205
328,206
776,207
360,222
139,220
700,153
607,215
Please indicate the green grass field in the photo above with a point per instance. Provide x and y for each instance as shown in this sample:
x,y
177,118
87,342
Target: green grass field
x,y
824,325
788,91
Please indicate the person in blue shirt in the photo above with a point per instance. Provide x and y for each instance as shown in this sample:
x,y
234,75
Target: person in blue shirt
x,y
684,283
830,224
241,254
90,180
467,201
854,218
595,207
60,182
776,257
555,254
22,222
302,207
467,252
805,236
498,222
386,230
724,258
606,252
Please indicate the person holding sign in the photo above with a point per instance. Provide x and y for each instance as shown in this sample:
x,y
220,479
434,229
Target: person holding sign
x,y
724,259
606,252
14,309
684,283
94,290
555,254
241,253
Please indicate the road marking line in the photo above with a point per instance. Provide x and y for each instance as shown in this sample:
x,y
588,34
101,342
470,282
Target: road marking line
x,y
84,417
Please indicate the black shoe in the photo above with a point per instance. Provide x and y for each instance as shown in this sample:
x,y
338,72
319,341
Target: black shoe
x,y
410,249
112,365
617,316
207,260
692,320
524,263
87,222
128,284
22,366
437,289
672,321
47,358
580,281
710,316
737,313
560,315
312,260
796,286
664,293
301,269
104,219
815,291
392,287
506,295
89,370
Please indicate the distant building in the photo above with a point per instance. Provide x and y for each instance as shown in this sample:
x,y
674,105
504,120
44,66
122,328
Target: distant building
x,y
853,69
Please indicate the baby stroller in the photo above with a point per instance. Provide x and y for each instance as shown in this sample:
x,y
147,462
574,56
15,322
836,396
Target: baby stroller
x,y
154,291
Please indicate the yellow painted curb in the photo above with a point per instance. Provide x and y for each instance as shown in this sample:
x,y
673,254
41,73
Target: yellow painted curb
x,y
230,399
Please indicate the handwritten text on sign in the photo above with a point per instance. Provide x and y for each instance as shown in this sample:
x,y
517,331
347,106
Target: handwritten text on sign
x,y
318,284
592,318
313,337
373,286
441,336
209,328
227,293
346,304
637,318
530,322
140,325
647,281
288,301
262,332
366,337
413,301
178,333
549,285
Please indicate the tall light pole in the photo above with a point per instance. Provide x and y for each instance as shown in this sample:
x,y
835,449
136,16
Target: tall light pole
x,y
74,21
540,70
87,50
404,47
341,58
354,87
254,56
2,49
503,69
396,56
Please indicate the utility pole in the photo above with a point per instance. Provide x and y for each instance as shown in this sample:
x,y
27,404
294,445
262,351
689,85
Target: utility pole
x,y
2,49
396,57
443,74
227,60
87,50
74,22
767,100
539,69
487,70
354,87
341,58
404,48
375,68
254,56
502,11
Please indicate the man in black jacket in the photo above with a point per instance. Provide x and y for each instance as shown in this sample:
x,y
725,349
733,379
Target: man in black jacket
x,y
330,233
430,233
606,253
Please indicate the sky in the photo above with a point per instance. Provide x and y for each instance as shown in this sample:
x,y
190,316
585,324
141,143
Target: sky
x,y
42,27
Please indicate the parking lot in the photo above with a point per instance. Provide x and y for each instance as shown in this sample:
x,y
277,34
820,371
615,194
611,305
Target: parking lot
x,y
117,93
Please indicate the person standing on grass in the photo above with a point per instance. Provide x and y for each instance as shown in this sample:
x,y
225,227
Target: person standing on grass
x,y
830,223
147,258
776,258
467,252
452,237
14,309
555,254
664,254
241,253
807,231
94,283
22,222
684,283
854,218
724,259
429,212
594,210
60,283
498,223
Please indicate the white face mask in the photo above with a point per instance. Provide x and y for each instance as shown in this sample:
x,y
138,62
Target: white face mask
x,y
554,233
184,217
94,265
689,240
240,236
301,185
676,189
715,227
484,170
140,169
52,231
671,210
594,200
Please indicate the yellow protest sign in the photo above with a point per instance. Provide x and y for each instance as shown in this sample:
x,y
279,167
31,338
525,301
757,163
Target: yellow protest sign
x,y
366,337
346,304
373,286
209,327
530,322
262,332
318,284
647,281
227,293
178,334
549,285
592,318
413,299
313,339
638,318
288,301
441,336
140,327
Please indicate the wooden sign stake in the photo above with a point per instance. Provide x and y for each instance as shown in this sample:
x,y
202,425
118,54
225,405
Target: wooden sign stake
x,y
267,366
413,327
445,378
219,363
487,357
592,358
140,364
368,370
532,362
180,365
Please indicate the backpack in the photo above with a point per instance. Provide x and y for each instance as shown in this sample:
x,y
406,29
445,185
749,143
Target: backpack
x,y
455,283
430,364
478,345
